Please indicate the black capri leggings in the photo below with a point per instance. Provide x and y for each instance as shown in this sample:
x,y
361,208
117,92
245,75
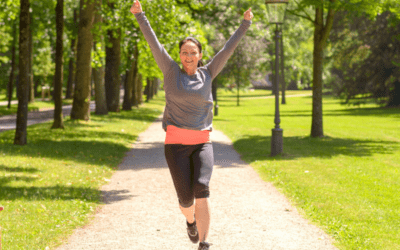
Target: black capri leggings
x,y
191,167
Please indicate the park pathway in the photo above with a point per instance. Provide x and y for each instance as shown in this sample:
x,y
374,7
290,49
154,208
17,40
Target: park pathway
x,y
8,122
140,210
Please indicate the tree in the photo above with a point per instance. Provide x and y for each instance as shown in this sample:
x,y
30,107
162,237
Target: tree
x,y
58,78
366,58
324,12
30,66
113,61
23,85
98,64
10,85
72,57
81,103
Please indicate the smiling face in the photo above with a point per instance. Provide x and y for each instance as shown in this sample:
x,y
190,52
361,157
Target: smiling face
x,y
190,56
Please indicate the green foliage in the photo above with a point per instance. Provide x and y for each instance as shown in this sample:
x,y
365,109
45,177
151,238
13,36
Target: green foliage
x,y
366,62
8,17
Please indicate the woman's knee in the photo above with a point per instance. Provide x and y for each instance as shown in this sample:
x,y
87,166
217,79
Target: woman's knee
x,y
201,191
186,202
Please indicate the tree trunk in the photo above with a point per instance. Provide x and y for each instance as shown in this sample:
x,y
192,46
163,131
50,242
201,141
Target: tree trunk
x,y
98,73
113,60
139,90
128,87
23,85
147,89
31,83
321,34
12,75
282,78
112,77
58,78
100,92
71,68
134,99
81,104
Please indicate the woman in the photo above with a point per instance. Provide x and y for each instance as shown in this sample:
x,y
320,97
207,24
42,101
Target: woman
x,y
188,120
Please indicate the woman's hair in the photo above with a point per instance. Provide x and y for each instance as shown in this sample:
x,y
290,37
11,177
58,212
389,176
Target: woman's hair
x,y
195,41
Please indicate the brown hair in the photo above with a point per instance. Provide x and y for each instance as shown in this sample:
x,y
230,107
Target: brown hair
x,y
195,41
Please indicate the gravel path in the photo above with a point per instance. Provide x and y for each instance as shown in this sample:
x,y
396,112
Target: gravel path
x,y
141,209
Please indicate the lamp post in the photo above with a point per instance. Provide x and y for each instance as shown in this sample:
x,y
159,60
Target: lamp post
x,y
276,11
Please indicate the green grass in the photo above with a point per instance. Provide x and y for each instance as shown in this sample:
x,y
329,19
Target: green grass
x,y
51,185
347,182
34,106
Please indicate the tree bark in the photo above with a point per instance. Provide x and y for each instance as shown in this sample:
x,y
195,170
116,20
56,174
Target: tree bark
x,y
112,77
58,78
100,92
23,85
11,79
134,99
139,90
81,103
98,73
71,68
113,60
128,87
31,83
147,89
321,34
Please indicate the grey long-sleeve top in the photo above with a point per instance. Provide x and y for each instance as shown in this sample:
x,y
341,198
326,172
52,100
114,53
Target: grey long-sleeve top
x,y
189,101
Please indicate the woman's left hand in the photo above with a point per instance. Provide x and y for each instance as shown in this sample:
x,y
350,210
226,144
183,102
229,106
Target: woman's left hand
x,y
248,15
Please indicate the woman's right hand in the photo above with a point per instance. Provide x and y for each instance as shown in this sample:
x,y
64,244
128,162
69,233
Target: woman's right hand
x,y
136,7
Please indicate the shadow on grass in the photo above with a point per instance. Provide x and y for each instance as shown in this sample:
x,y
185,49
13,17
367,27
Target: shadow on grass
x,y
18,169
99,152
8,179
253,148
394,112
58,192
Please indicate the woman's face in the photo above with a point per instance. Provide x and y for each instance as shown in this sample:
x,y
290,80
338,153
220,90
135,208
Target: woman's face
x,y
190,55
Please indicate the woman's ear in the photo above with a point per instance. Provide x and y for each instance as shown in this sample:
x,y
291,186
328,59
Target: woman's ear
x,y
201,55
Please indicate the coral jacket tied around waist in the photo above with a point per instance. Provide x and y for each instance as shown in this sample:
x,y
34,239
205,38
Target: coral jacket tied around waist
x,y
182,136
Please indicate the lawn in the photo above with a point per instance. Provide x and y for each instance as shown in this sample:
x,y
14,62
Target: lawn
x,y
347,183
51,185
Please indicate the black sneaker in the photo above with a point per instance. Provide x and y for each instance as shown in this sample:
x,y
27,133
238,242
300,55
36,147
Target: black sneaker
x,y
192,232
204,246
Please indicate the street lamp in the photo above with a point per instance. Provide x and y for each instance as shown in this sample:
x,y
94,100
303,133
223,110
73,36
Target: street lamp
x,y
276,11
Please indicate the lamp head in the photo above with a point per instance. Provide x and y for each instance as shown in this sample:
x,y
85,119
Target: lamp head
x,y
276,10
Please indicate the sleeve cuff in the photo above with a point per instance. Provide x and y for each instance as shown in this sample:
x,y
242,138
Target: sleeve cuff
x,y
138,15
247,21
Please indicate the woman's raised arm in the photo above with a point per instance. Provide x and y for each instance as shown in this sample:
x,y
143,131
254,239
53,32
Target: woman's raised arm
x,y
218,62
163,59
